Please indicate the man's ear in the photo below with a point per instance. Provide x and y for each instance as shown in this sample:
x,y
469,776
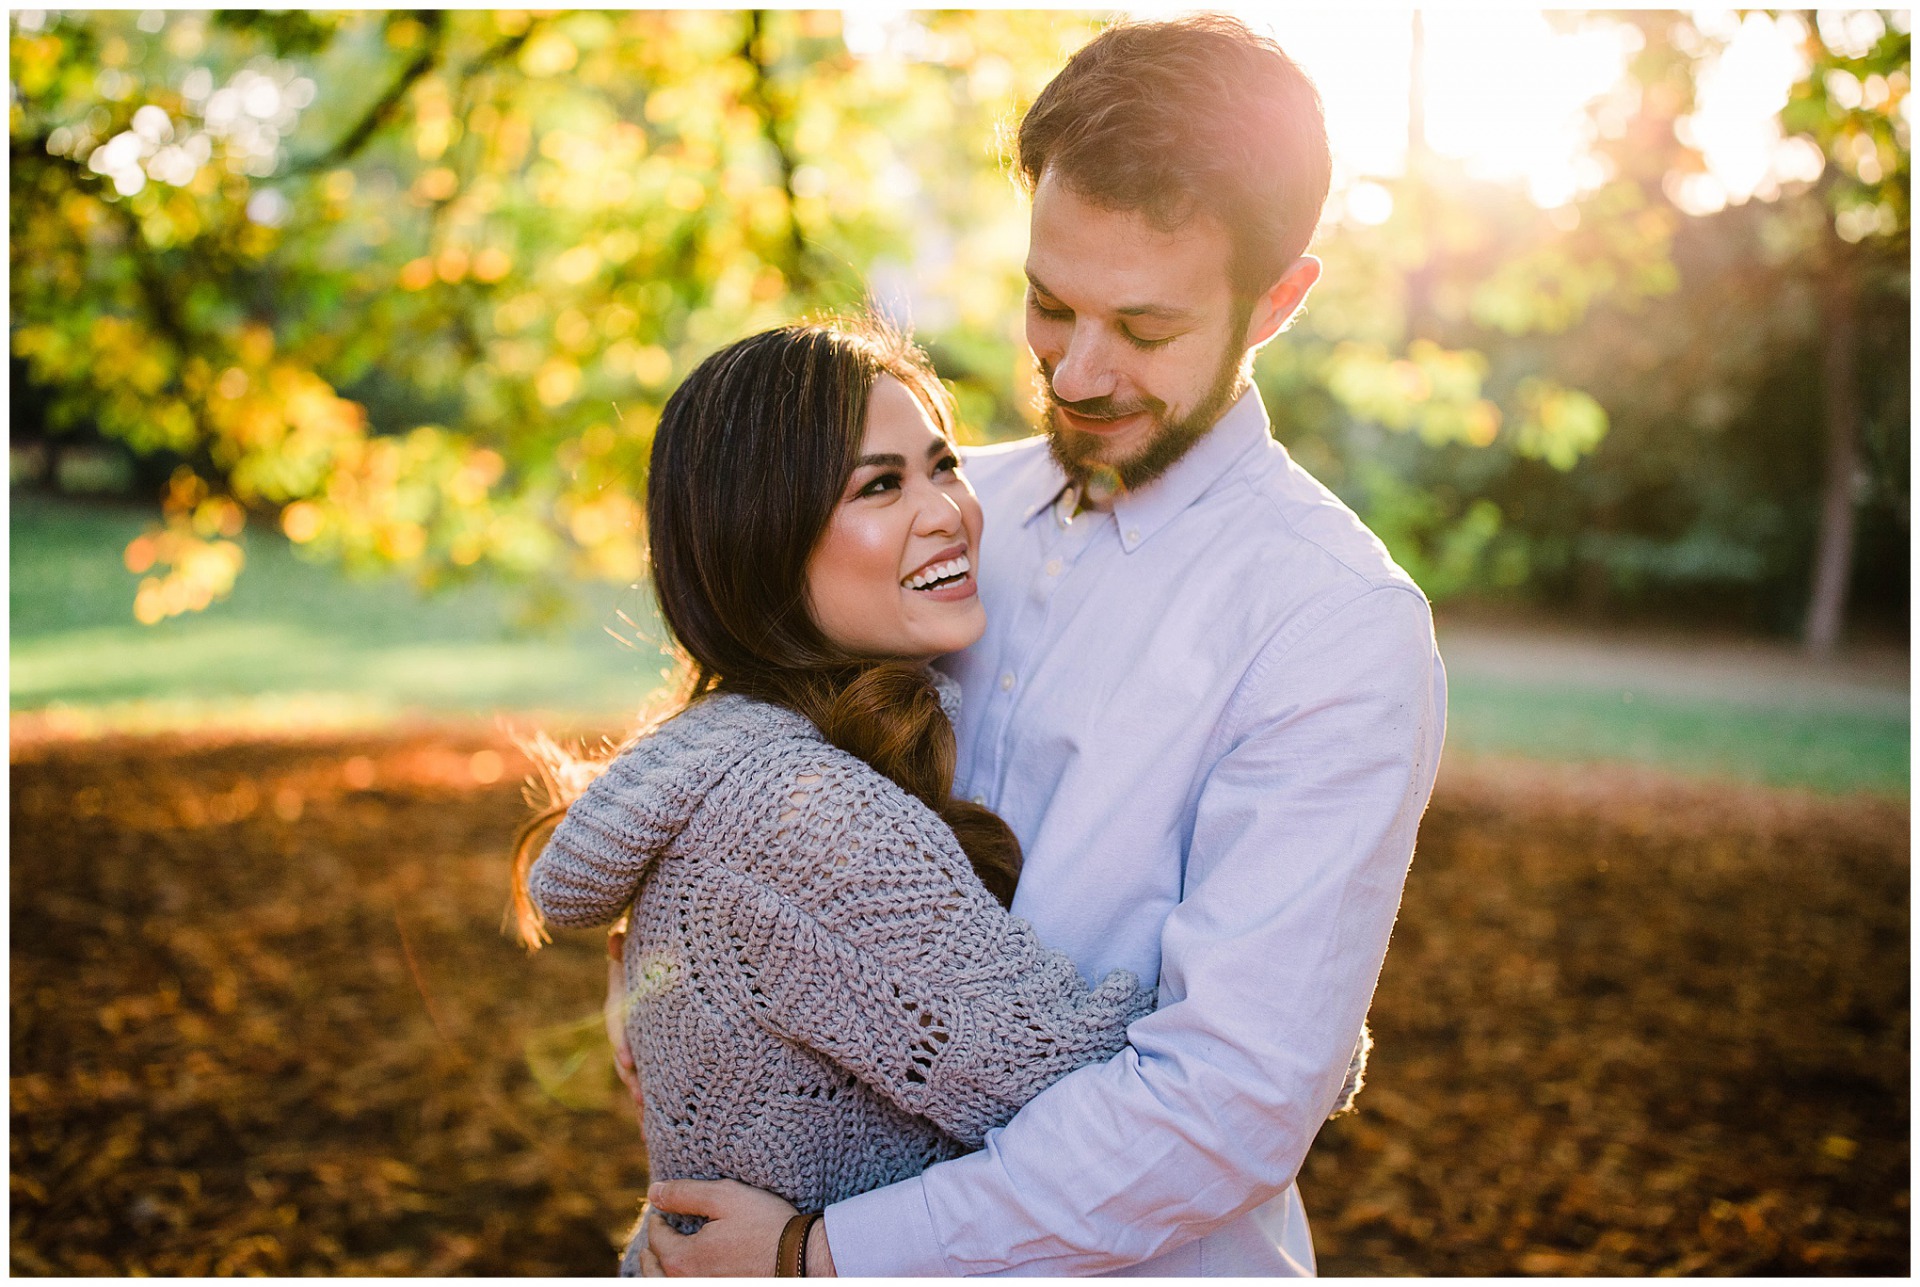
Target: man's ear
x,y
1277,306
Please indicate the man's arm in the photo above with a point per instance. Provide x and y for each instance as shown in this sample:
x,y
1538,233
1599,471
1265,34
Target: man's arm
x,y
1302,835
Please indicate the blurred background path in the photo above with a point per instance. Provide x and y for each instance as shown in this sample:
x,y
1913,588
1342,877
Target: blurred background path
x,y
1743,671
1695,702
299,648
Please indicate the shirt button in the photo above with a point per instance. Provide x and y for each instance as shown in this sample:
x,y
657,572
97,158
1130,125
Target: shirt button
x,y
1133,536
979,799
1006,682
1053,567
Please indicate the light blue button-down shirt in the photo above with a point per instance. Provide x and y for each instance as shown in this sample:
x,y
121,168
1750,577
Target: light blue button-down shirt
x,y
1213,716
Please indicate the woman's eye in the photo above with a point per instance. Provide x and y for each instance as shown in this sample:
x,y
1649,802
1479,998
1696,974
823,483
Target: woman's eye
x,y
880,484
946,464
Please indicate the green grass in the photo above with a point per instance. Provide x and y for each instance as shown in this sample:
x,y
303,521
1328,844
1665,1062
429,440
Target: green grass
x,y
302,646
1826,750
300,641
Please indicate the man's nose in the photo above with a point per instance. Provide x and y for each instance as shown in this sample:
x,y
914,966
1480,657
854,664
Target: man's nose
x,y
1085,368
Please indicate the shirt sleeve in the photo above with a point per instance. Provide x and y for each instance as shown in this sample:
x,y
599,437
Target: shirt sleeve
x,y
911,977
1302,834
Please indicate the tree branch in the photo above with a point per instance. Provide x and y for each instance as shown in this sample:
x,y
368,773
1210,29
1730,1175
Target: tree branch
x,y
759,94
384,109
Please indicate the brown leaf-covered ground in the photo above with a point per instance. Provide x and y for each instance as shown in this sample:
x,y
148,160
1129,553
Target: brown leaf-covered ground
x,y
264,1021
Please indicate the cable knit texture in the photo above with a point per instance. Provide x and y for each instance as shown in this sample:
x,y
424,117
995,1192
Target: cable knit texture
x,y
823,997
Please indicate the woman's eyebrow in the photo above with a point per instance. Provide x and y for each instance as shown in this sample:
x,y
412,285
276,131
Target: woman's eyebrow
x,y
939,446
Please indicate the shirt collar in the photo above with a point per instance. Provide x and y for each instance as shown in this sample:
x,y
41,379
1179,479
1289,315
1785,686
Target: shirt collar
x,y
1140,514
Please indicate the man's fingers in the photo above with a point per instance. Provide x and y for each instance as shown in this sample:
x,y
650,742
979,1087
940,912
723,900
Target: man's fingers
x,y
659,1232
665,1246
694,1197
615,1012
631,1080
742,1228
650,1265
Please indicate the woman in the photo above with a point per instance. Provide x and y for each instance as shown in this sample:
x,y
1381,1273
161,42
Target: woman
x,y
826,991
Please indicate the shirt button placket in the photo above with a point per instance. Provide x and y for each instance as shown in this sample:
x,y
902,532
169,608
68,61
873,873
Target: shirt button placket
x,y
1023,637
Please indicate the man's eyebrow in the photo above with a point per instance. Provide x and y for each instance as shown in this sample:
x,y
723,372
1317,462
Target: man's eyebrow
x,y
1161,312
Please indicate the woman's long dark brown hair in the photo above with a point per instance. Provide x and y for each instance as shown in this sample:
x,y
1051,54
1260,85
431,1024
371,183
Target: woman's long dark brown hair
x,y
751,457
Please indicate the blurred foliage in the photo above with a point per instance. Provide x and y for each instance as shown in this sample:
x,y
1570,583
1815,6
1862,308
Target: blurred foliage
x,y
1850,105
1616,404
418,284
415,285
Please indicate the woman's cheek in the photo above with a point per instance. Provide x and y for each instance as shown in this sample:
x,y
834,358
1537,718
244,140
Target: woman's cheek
x,y
870,550
873,543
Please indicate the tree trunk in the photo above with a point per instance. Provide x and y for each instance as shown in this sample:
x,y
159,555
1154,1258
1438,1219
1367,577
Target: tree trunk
x,y
1840,407
1419,283
760,93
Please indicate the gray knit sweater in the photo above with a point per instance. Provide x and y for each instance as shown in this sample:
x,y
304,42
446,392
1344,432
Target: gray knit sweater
x,y
823,997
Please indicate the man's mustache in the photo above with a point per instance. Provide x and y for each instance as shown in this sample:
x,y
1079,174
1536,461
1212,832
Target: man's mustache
x,y
1105,408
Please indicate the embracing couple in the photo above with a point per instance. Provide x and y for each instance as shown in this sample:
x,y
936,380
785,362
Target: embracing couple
x,y
1014,885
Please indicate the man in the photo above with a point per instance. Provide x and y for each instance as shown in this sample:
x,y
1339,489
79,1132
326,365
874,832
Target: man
x,y
1207,702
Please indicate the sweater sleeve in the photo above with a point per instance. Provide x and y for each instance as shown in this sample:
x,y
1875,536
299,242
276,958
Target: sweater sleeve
x,y
592,866
909,975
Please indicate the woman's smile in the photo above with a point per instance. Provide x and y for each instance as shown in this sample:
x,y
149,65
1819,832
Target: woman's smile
x,y
947,576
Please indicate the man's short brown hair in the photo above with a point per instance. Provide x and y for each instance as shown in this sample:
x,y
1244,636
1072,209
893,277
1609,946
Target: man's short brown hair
x,y
1194,115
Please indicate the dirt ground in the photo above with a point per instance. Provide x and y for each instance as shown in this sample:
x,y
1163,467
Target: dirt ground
x,y
264,1021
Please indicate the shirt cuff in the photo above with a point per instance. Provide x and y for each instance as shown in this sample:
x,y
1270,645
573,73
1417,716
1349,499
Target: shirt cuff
x,y
886,1233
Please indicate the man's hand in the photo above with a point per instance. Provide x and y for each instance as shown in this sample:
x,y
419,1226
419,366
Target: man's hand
x,y
739,1239
615,1011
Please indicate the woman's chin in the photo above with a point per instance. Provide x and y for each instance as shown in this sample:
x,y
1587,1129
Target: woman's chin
x,y
960,626
918,630
970,636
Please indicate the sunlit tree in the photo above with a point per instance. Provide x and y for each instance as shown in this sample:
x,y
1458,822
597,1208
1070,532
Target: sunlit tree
x,y
1850,105
412,287
415,285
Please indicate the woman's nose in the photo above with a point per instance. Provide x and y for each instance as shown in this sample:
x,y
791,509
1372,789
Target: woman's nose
x,y
939,514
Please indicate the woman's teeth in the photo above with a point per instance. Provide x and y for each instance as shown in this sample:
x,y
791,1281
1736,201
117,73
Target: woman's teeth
x,y
935,573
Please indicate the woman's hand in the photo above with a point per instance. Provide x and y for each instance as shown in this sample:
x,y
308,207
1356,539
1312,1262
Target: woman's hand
x,y
740,1237
615,1011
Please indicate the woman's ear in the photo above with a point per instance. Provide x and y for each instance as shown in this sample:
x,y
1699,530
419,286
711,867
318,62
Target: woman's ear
x,y
1281,302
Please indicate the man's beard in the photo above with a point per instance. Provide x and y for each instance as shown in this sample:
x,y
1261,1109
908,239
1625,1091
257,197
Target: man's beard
x,y
1078,453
